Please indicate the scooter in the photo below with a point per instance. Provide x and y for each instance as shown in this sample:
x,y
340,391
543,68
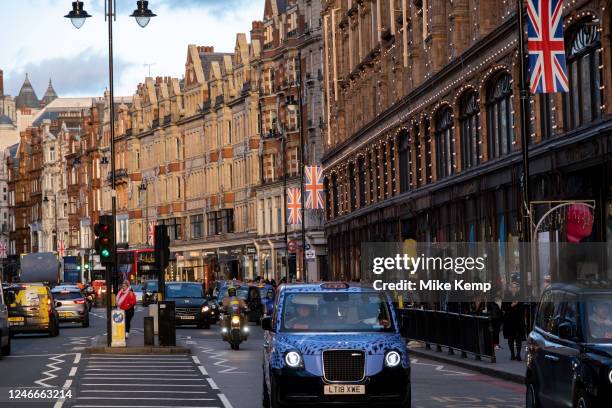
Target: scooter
x,y
235,328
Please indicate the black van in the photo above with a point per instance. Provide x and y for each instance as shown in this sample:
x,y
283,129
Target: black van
x,y
569,351
5,336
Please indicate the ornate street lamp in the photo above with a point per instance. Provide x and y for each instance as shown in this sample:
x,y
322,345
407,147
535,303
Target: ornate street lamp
x,y
142,14
77,15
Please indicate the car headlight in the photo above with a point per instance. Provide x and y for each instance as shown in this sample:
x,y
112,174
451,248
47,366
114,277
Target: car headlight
x,y
205,309
392,359
293,359
610,376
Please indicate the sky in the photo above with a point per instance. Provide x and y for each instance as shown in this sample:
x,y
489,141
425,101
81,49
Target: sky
x,y
35,38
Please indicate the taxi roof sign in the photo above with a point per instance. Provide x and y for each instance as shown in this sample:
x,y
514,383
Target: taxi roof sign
x,y
335,285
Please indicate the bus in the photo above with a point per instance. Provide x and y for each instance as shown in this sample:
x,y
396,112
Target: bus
x,y
137,265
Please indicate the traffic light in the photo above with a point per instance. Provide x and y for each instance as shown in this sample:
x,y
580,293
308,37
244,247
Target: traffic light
x,y
105,239
162,247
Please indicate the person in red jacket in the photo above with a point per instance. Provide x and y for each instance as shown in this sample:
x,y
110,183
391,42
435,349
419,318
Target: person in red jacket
x,y
126,301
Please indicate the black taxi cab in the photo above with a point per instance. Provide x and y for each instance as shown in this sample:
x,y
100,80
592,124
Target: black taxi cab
x,y
334,343
569,351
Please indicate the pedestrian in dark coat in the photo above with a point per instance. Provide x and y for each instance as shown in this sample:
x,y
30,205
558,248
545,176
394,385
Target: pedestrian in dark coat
x,y
514,321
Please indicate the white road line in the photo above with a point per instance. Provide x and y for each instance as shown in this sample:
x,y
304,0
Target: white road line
x,y
148,399
77,358
212,383
141,385
142,374
90,377
136,370
73,371
139,406
60,402
195,359
48,375
140,366
150,391
203,370
225,401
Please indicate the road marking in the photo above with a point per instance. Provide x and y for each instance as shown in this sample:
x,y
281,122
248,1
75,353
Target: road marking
x,y
48,375
144,374
148,399
60,402
143,385
203,370
441,368
139,366
89,377
77,358
139,406
212,383
127,370
149,391
73,371
225,401
195,359
214,354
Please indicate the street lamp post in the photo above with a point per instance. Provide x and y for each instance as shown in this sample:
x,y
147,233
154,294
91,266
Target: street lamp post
x,y
77,16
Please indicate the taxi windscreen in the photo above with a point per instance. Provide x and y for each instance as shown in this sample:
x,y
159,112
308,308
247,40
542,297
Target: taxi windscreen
x,y
336,312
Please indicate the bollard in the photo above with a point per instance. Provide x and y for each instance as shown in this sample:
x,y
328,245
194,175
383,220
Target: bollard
x,y
149,337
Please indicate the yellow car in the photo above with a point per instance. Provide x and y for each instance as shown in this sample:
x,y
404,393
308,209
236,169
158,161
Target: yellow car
x,y
31,309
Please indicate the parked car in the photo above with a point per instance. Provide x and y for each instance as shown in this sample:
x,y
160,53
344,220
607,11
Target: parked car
x,y
31,309
5,336
334,343
191,307
71,306
149,295
138,291
569,351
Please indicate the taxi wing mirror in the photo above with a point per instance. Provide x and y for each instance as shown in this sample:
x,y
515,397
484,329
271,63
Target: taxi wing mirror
x,y
58,304
567,331
266,323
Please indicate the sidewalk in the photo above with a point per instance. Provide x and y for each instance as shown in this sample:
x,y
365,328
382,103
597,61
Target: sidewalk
x,y
504,368
135,345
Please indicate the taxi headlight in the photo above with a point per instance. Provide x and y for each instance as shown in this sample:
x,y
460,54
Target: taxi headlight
x,y
293,359
205,309
610,376
392,358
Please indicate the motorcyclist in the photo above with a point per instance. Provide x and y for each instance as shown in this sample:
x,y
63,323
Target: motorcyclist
x,y
230,302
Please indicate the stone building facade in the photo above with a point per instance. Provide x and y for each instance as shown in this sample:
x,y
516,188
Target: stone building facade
x,y
423,132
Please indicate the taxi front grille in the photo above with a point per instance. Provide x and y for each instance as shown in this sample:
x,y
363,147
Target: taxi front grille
x,y
185,311
343,365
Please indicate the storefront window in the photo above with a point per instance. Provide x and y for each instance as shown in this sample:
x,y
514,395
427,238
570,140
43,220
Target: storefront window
x,y
445,160
470,134
499,116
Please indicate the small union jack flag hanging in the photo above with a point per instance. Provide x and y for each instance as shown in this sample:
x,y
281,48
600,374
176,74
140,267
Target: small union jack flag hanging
x,y
313,186
548,71
151,234
61,249
3,249
294,206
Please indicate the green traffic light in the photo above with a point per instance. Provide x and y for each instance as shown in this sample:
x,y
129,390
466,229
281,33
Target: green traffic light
x,y
105,253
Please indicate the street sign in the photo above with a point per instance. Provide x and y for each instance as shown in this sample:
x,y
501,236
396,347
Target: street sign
x,y
292,246
307,246
310,254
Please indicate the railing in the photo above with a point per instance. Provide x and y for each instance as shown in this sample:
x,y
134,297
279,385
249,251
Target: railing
x,y
458,332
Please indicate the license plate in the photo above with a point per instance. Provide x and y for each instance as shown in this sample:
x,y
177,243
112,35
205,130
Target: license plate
x,y
65,314
16,319
334,389
187,317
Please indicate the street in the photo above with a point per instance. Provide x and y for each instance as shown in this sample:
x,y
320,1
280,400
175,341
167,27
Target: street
x,y
213,376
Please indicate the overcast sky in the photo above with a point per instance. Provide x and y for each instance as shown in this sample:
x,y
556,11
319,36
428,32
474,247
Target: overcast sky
x,y
37,39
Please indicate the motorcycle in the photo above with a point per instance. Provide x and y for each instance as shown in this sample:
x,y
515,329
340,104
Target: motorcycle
x,y
235,328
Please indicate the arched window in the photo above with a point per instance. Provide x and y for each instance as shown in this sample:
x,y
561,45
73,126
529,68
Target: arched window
x,y
404,161
470,135
417,152
362,180
499,115
427,139
352,191
444,143
583,102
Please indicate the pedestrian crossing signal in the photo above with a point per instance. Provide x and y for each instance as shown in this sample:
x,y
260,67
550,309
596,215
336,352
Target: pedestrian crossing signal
x,y
104,243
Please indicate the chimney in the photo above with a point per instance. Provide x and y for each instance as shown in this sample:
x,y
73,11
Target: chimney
x,y
257,31
1,82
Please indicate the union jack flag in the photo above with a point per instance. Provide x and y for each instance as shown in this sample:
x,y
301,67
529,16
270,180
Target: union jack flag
x,y
151,233
61,249
3,251
314,187
548,71
294,206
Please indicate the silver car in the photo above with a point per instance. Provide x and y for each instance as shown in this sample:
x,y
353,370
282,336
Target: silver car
x,y
71,306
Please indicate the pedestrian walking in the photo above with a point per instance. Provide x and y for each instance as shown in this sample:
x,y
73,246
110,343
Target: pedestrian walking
x,y
514,321
126,301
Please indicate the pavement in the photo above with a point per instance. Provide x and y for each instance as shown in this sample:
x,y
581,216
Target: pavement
x,y
503,368
213,375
